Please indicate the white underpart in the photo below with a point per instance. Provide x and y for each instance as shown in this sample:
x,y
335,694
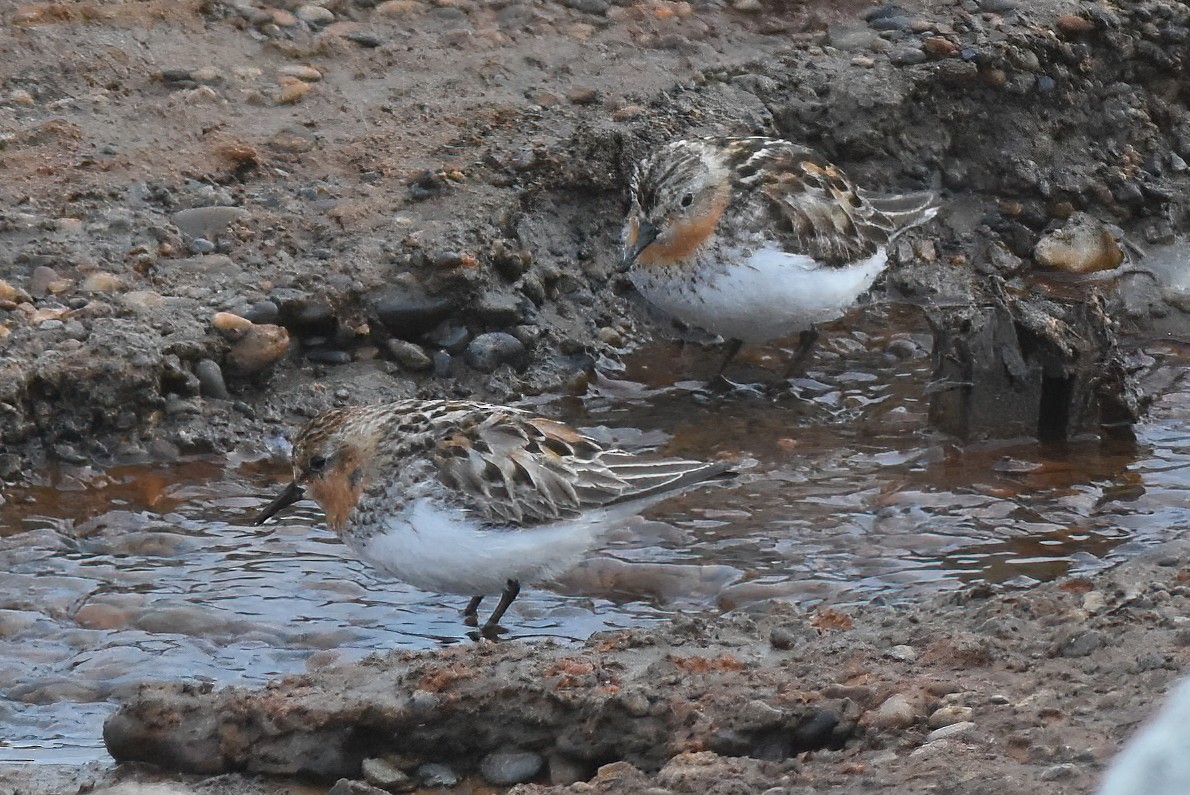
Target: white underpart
x,y
1157,760
438,548
761,295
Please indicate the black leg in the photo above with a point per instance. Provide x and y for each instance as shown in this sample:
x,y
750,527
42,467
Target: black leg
x,y
733,347
805,345
492,628
471,612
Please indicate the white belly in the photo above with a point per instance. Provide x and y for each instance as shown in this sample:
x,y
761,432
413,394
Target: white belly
x,y
442,550
763,295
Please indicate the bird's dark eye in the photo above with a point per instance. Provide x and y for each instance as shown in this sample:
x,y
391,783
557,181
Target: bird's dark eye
x,y
687,200
317,462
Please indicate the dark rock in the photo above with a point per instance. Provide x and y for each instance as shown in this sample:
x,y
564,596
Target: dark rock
x,y
41,279
1078,643
907,56
263,312
598,7
499,309
346,786
329,357
210,380
200,245
997,6
488,351
364,38
504,768
442,361
309,319
207,222
408,314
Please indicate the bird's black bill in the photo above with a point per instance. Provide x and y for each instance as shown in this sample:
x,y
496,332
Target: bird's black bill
x,y
646,233
293,492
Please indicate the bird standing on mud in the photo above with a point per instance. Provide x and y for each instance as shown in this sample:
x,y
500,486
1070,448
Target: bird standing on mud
x,y
470,498
757,238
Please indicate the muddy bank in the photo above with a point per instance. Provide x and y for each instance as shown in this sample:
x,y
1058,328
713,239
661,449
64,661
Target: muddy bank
x,y
425,198
965,694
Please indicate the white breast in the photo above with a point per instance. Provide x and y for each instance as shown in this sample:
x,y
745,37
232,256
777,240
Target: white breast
x,y
444,550
762,295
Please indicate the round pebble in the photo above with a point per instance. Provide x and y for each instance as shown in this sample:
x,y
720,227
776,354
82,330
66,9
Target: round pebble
x,y
315,15
505,768
210,380
488,351
200,245
409,355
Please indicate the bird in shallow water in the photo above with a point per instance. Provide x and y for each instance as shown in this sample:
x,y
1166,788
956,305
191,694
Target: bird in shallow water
x,y
756,238
469,498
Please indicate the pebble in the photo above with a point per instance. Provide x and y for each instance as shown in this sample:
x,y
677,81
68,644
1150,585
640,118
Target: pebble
x,y
442,361
896,712
206,222
363,38
907,56
41,279
101,282
902,652
261,347
293,140
400,7
19,96
488,351
1074,25
582,96
433,774
386,775
200,245
505,768
206,75
597,7
747,6
14,294
408,315
293,93
997,6
210,380
950,731
315,15
946,716
328,357
346,786
627,112
228,322
1079,643
282,18
450,335
498,309
409,355
263,312
307,74
1082,245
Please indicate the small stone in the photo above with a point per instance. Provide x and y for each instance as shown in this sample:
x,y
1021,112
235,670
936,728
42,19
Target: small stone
x,y
1079,643
316,16
263,312
200,245
940,47
907,56
597,7
896,712
384,774
582,96
505,768
363,38
1074,25
206,222
322,356
433,774
627,112
565,771
41,279
282,18
442,362
228,322
945,716
393,8
261,347
293,93
293,140
488,351
498,309
1082,245
19,96
747,6
346,786
950,731
903,653
1058,772
307,74
997,6
210,380
408,314
409,355
101,282
206,75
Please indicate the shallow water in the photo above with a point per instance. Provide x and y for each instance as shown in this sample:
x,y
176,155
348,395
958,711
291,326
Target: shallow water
x,y
118,577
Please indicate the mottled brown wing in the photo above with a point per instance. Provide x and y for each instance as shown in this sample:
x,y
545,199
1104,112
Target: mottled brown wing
x,y
517,469
813,207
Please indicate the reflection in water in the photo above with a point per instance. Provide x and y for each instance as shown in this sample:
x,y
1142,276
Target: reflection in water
x,y
114,577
